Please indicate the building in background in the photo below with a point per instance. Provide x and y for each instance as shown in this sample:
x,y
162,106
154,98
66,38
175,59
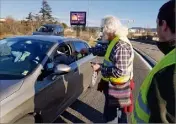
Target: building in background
x,y
153,31
137,30
142,33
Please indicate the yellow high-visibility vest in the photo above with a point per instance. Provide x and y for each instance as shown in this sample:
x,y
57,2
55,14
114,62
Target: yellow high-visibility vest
x,y
141,113
108,63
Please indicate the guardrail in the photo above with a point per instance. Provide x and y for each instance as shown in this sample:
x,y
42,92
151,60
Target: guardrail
x,y
151,61
153,42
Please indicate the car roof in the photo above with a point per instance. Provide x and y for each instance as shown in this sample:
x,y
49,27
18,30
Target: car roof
x,y
53,25
50,38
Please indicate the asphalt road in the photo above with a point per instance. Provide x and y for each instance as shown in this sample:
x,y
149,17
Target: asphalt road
x,y
88,108
150,49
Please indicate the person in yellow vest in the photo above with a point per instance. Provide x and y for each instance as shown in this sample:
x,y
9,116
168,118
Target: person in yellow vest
x,y
116,70
156,99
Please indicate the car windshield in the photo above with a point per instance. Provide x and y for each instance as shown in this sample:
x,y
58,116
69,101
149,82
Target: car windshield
x,y
20,56
45,28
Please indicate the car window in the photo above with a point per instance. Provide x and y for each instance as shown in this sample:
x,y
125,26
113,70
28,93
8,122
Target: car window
x,y
63,55
42,29
65,48
50,29
20,56
59,30
87,46
45,28
78,47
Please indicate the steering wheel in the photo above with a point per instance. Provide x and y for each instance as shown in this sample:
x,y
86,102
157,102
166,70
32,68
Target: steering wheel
x,y
67,52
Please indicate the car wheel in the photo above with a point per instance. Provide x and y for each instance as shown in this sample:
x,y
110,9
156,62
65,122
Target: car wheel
x,y
94,79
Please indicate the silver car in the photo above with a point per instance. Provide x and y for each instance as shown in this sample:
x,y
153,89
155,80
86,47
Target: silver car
x,y
37,83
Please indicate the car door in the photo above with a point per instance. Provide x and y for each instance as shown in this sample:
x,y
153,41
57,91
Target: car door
x,y
60,90
74,78
83,62
51,93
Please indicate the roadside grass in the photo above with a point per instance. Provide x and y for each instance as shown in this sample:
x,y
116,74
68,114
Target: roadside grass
x,y
86,36
5,35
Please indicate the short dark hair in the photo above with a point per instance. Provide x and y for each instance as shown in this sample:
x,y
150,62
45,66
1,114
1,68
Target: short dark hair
x,y
167,13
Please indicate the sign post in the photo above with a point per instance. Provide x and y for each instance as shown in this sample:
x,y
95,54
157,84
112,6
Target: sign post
x,y
78,30
78,19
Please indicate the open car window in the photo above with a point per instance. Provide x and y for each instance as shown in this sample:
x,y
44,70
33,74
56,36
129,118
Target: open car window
x,y
63,55
65,48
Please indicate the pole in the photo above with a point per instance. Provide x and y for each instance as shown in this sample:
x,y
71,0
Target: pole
x,y
88,17
77,31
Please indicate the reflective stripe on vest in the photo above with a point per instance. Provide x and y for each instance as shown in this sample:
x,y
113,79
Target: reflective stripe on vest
x,y
108,63
141,112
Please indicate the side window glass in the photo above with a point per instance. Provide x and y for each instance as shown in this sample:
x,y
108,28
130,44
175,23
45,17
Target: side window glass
x,y
50,29
57,31
60,30
78,47
87,46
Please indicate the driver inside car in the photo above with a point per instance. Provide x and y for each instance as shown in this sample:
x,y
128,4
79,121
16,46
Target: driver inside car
x,y
62,58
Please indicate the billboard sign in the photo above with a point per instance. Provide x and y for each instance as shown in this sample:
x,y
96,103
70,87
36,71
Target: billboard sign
x,y
77,18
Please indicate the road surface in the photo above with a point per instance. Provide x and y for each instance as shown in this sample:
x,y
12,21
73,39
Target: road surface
x,y
150,49
88,108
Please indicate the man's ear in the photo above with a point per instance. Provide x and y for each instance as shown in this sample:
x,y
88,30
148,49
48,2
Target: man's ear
x,y
164,25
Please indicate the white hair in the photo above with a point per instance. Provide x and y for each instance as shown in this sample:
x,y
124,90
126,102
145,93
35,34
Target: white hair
x,y
111,24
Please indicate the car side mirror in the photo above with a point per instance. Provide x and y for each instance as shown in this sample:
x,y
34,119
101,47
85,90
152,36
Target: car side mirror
x,y
62,69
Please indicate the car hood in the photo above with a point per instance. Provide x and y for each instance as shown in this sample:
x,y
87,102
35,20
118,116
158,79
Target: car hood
x,y
8,87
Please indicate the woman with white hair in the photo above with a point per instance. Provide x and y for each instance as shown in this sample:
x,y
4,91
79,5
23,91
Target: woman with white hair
x,y
117,69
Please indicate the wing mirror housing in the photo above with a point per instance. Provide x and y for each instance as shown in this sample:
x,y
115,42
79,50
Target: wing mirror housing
x,y
62,69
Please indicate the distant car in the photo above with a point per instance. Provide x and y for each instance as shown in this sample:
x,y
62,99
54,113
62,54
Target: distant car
x,y
50,29
34,87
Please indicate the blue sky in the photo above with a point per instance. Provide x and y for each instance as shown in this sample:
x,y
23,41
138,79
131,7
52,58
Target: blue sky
x,y
144,12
